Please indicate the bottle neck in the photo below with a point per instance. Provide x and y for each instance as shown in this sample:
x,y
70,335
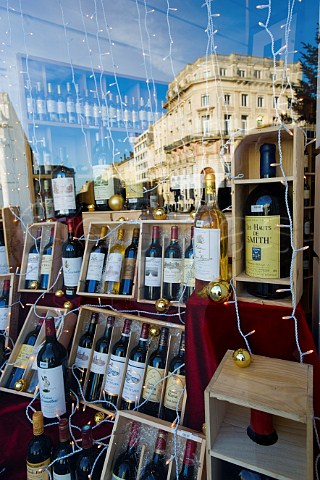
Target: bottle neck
x,y
210,197
50,330
108,331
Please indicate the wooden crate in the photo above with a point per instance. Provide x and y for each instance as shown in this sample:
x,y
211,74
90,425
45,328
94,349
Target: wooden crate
x,y
149,430
13,237
279,387
246,162
60,236
13,309
137,321
109,216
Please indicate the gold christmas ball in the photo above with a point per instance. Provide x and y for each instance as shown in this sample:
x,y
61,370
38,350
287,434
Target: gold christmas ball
x,y
59,293
19,385
159,213
219,292
192,214
162,305
91,207
121,219
34,285
68,305
116,202
99,416
204,428
154,331
242,357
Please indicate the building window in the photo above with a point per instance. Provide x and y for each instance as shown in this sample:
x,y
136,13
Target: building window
x,y
206,74
242,73
244,122
290,102
260,102
257,74
205,123
204,100
276,102
223,72
244,100
227,122
227,99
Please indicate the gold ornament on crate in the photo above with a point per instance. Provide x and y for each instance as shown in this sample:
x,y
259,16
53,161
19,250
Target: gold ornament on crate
x,y
91,207
162,305
192,214
159,213
154,331
59,293
116,202
99,416
219,291
242,357
19,385
122,219
68,305
34,285
204,428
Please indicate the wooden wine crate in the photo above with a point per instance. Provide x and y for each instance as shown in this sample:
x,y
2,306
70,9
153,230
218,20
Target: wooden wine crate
x,y
247,163
279,387
137,321
13,304
63,326
60,236
108,216
148,431
13,237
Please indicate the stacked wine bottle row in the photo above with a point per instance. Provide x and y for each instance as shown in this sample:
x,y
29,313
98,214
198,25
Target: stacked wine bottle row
x,y
117,361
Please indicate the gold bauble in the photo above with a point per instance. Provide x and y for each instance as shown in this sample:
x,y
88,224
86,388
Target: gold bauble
x,y
162,305
99,416
91,207
34,285
154,331
242,357
219,292
159,213
59,293
19,385
68,305
122,219
204,428
192,214
116,202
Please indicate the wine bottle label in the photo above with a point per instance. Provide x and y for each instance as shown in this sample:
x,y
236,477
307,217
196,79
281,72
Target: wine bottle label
x,y
52,394
61,107
113,268
306,194
71,271
88,110
114,477
23,357
46,264
4,314
33,266
96,111
114,375
82,357
79,108
30,105
172,270
63,194
48,203
173,395
103,186
142,115
35,470
99,363
153,376
95,266
70,106
128,268
206,253
3,261
104,112
262,239
66,476
51,106
153,272
307,227
41,107
134,381
188,272
112,111
135,117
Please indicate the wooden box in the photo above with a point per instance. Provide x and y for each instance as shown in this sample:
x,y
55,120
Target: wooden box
x,y
30,364
137,321
13,309
108,216
279,387
60,236
149,429
13,237
246,162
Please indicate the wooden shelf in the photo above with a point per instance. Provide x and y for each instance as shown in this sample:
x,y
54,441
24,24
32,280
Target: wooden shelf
x,y
249,181
243,277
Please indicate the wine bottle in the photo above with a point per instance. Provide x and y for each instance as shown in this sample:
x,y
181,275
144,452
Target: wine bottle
x,y
267,247
127,113
97,260
135,371
99,362
112,111
52,365
4,313
143,121
153,267
63,468
61,106
173,396
87,456
172,268
96,111
70,106
88,109
72,255
114,265
64,191
48,200
187,471
25,351
134,113
84,349
51,104
129,264
118,107
33,263
3,255
127,463
79,106
39,450
116,366
306,193
210,241
41,104
46,262
157,468
153,386
188,269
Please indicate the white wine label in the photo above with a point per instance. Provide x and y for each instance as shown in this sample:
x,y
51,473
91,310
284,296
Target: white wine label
x,y
41,106
71,271
52,395
30,105
104,112
88,110
142,115
99,363
46,264
61,107
103,186
207,254
66,476
257,208
79,108
51,106
63,193
33,266
3,261
173,395
306,194
95,266
113,268
152,271
134,381
82,357
70,106
188,272
4,314
114,375
129,265
262,239
35,470
48,204
96,111
153,376
172,270
23,357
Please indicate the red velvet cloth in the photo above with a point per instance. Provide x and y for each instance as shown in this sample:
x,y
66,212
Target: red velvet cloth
x,y
211,329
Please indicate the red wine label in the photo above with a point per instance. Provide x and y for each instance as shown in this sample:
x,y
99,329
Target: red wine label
x,y
95,266
262,239
206,253
153,376
114,375
99,363
33,266
3,261
4,316
189,453
46,264
35,471
113,268
133,381
188,272
128,268
71,271
173,395
23,356
82,357
52,394
161,443
153,269
64,198
172,270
